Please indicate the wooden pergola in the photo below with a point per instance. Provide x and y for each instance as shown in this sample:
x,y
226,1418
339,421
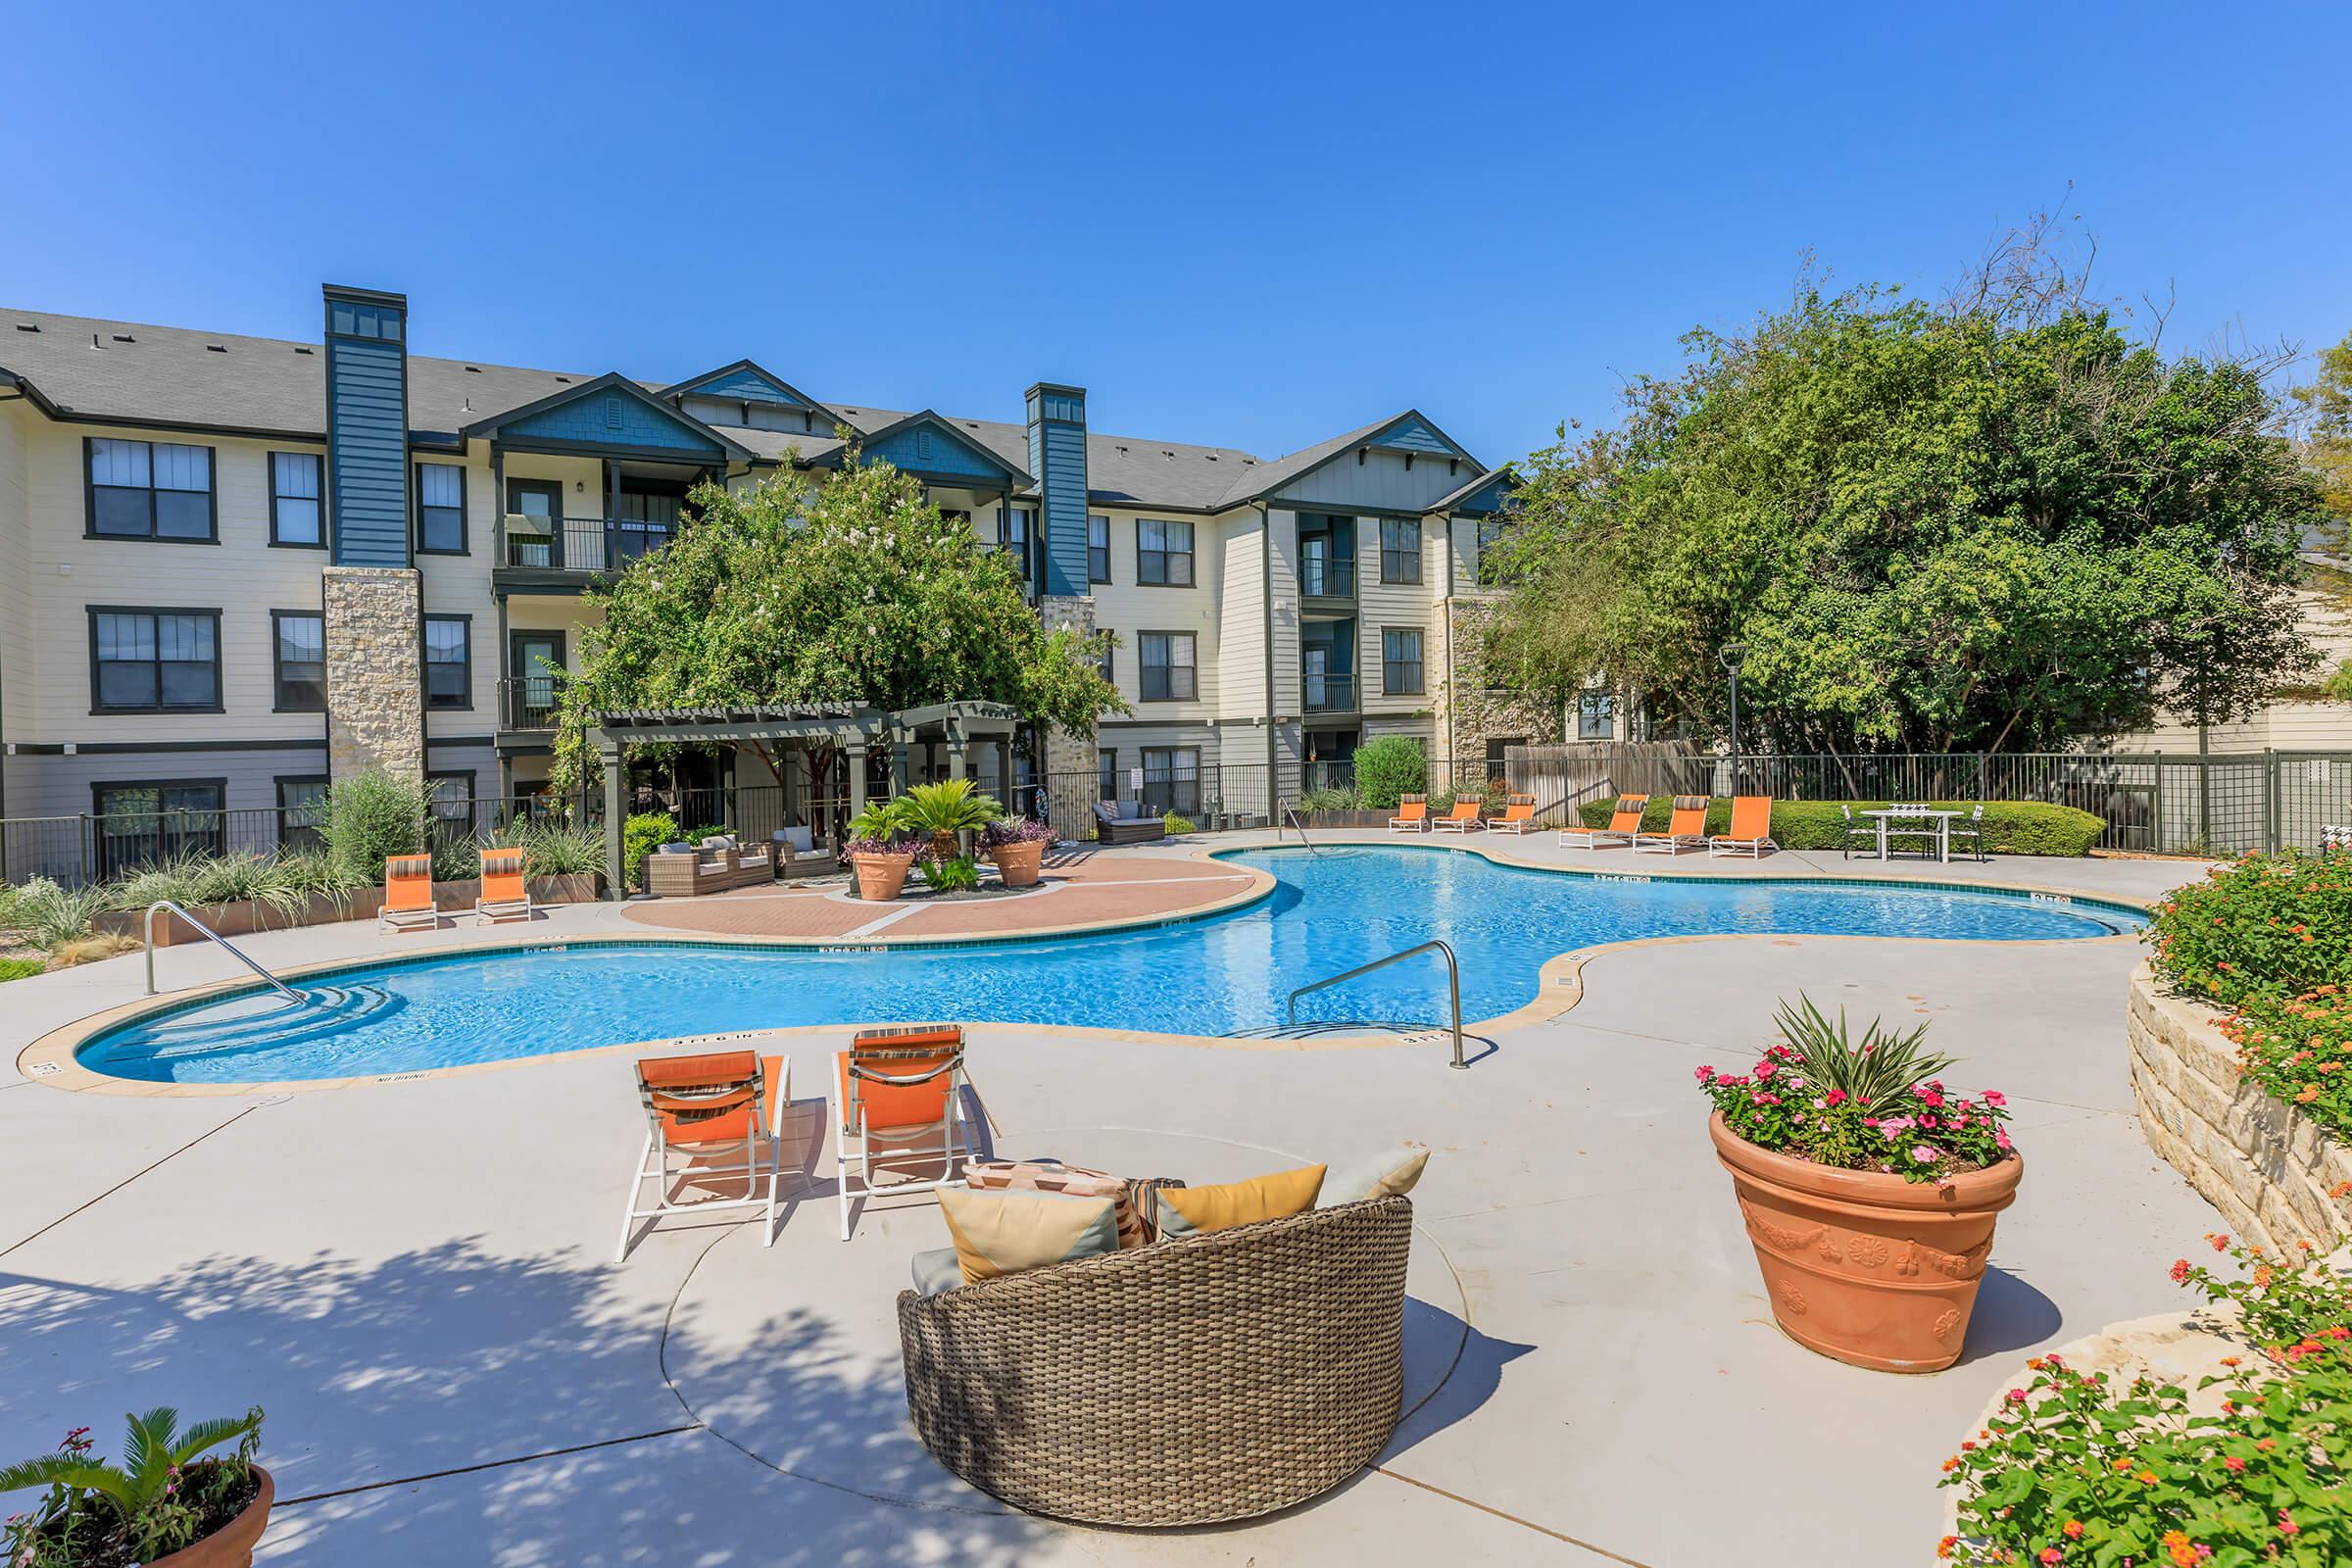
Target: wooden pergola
x,y
854,731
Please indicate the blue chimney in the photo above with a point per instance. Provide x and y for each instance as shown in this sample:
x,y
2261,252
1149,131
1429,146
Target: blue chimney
x,y
1057,458
368,425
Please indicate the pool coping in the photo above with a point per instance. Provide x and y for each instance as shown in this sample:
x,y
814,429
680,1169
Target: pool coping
x,y
52,1058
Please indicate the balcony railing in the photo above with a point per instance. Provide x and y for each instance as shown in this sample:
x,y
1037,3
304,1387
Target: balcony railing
x,y
1327,576
527,702
584,546
1328,694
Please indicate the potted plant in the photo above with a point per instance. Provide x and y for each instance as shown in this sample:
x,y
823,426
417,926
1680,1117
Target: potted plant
x,y
1019,846
881,850
162,1506
1869,1189
942,811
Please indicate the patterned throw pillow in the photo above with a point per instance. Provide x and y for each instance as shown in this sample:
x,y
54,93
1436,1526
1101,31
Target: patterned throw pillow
x,y
1006,1232
1053,1176
1185,1210
1391,1173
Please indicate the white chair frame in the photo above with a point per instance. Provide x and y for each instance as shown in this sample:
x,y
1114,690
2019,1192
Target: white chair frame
x,y
952,1150
652,1164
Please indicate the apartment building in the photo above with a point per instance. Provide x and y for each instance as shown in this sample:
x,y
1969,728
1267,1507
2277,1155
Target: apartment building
x,y
236,568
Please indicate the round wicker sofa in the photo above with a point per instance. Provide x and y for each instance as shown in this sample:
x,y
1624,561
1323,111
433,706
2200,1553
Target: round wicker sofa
x,y
1214,1377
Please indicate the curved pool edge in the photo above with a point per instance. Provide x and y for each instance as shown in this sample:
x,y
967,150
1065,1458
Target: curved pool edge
x,y
53,1058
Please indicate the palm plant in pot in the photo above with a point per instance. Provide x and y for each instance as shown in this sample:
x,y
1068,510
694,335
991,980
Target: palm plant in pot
x,y
1018,846
164,1505
939,811
1869,1189
881,849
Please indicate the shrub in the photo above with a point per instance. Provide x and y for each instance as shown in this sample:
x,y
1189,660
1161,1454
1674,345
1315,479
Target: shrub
x,y
1014,830
1172,824
642,833
2086,1469
19,969
2272,925
1331,798
163,1496
1868,1104
2299,1049
369,817
50,915
2011,827
1389,767
952,874
89,948
550,849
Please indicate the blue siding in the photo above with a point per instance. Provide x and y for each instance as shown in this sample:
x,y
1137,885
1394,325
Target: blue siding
x,y
606,417
1057,458
1487,497
1412,435
367,451
748,386
933,448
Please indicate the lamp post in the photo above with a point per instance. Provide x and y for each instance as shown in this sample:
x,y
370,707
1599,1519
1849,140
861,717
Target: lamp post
x,y
1732,656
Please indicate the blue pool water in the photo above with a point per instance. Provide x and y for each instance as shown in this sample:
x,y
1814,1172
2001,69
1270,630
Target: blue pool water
x,y
1230,973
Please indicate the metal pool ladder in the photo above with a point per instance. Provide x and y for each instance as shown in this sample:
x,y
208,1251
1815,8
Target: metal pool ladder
x,y
1289,818
234,952
1453,985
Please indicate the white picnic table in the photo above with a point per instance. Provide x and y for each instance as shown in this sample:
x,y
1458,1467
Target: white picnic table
x,y
1934,822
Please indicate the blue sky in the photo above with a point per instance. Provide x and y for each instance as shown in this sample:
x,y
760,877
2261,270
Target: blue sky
x,y
1253,225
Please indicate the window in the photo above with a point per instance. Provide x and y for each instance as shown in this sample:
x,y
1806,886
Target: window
x,y
1107,774
294,490
1015,527
449,661
441,508
302,814
1400,660
1172,779
449,797
1167,663
155,820
1104,667
1164,553
1595,716
155,661
300,642
1400,552
351,318
1097,548
150,490
647,520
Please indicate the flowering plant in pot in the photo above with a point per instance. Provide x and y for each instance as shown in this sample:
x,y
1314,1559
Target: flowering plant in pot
x,y
164,1505
1869,1189
881,848
1018,846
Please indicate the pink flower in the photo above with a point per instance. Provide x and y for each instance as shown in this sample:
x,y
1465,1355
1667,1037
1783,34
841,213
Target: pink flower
x,y
2001,1136
1929,1097
1767,1067
1706,1075
1923,1153
1996,1099
1835,1097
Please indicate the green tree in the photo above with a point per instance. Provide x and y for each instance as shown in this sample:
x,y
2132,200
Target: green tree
x,y
1993,524
850,589
2326,407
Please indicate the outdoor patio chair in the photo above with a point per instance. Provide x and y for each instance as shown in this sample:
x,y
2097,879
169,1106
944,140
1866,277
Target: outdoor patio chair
x,y
505,895
1969,833
1412,814
1751,828
1686,829
898,1098
1518,815
1623,823
409,895
1858,834
704,1111
1463,818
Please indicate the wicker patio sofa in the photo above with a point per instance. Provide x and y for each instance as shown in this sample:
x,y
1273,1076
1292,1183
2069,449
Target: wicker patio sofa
x,y
793,862
1214,1377
1128,822
713,869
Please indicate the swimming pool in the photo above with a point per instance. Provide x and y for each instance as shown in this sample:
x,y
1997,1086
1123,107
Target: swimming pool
x,y
1330,911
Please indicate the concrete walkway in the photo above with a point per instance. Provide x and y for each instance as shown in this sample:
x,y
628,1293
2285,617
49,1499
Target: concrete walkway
x,y
414,1278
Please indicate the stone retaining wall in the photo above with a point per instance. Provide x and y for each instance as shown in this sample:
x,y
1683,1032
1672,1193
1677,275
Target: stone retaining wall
x,y
2266,1168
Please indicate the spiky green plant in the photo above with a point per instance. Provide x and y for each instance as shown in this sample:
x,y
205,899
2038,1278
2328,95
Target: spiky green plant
x,y
50,915
944,809
142,1496
1876,1068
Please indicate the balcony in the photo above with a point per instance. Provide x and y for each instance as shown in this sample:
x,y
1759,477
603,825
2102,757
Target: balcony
x,y
537,553
526,710
1326,693
1324,576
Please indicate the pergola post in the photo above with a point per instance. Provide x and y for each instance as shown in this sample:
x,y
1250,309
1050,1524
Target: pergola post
x,y
857,755
957,768
616,870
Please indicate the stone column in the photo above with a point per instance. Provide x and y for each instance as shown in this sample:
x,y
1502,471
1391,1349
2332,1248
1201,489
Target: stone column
x,y
374,672
1066,755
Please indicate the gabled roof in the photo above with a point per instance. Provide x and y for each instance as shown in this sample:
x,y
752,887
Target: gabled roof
x,y
1483,494
654,415
748,383
1409,431
908,442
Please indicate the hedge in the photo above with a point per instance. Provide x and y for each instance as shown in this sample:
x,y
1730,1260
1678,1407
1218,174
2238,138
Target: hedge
x,y
2011,827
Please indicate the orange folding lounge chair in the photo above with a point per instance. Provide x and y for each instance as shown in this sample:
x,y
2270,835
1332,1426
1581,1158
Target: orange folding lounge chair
x,y
898,1098
1462,818
1412,814
1518,815
1751,828
504,895
1685,830
409,894
702,1111
1623,823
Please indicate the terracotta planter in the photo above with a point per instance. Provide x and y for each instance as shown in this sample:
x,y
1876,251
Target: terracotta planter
x,y
1864,1266
231,1545
881,876
1018,865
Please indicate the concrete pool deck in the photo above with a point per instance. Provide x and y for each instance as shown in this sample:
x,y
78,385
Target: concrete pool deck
x,y
415,1279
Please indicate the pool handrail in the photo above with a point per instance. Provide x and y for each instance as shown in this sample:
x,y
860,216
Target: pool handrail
x,y
165,904
1290,817
1453,985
